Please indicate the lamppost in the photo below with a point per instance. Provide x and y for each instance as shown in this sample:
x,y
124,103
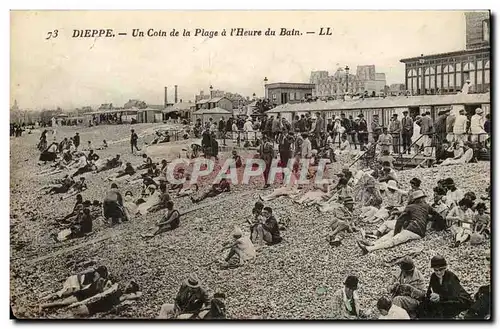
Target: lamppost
x,y
265,83
346,79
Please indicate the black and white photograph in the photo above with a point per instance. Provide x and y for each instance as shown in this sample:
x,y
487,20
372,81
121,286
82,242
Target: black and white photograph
x,y
187,165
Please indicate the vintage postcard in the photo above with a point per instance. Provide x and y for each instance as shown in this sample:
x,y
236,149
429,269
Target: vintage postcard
x,y
201,165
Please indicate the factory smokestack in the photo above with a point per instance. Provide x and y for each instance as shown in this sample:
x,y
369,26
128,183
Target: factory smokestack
x,y
175,94
166,97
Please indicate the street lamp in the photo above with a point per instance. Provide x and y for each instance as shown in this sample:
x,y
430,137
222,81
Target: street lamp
x,y
346,79
265,90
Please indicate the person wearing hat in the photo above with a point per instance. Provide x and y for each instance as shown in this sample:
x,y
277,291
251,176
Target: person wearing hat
x,y
445,297
441,126
376,128
133,141
343,221
477,126
406,131
190,299
410,225
241,246
384,140
395,132
337,195
362,129
408,287
453,194
345,301
393,201
426,128
461,220
460,127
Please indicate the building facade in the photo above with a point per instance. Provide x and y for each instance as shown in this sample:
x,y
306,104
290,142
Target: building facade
x,y
211,103
282,93
446,73
366,80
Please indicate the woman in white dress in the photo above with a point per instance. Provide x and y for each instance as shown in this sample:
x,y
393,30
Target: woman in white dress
x,y
416,135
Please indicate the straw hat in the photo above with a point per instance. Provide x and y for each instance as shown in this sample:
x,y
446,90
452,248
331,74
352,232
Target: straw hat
x,y
192,281
418,194
479,110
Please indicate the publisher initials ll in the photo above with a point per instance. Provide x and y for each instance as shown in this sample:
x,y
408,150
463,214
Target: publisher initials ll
x,y
322,31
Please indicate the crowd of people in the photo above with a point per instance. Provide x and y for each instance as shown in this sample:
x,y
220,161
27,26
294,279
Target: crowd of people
x,y
368,202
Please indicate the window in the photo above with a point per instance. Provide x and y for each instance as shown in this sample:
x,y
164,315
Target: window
x,y
438,82
292,96
445,81
479,65
469,67
458,67
438,68
486,30
274,97
480,77
459,80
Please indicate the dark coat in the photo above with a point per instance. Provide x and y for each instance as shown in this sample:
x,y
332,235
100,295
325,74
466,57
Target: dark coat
x,y
453,298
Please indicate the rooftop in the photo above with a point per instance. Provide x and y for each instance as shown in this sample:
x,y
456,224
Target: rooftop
x,y
448,54
388,102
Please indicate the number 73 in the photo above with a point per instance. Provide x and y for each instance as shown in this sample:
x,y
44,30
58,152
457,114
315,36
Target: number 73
x,y
52,34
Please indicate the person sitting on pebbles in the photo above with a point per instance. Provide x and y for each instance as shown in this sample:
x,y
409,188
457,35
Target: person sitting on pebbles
x,y
109,164
168,222
390,311
190,299
344,220
445,297
393,200
150,201
267,230
337,196
461,220
482,220
217,188
345,301
113,296
408,287
410,225
241,248
80,226
127,172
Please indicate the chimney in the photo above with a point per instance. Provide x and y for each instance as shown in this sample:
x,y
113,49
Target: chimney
x,y
166,97
175,94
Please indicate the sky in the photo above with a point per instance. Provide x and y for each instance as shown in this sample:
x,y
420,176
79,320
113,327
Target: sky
x,y
72,72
